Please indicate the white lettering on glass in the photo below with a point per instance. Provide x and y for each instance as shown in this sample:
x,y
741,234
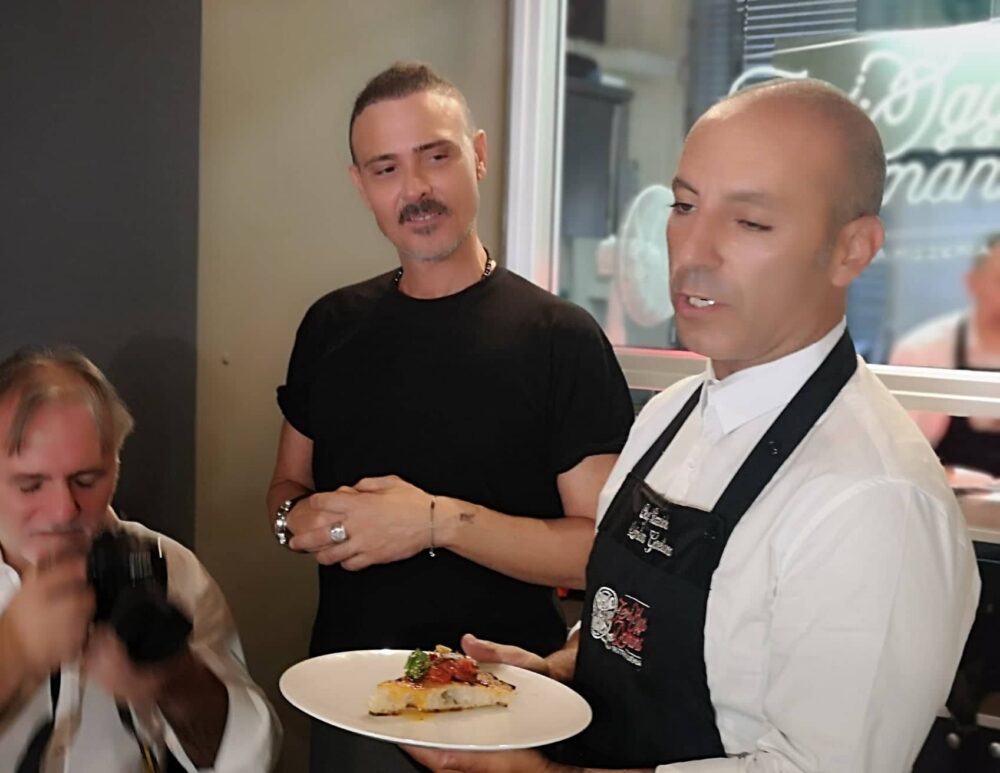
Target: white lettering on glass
x,y
914,106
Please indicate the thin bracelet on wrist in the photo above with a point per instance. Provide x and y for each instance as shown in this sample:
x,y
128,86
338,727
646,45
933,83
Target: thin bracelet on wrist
x,y
430,549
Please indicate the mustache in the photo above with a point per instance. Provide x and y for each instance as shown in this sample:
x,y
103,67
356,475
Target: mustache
x,y
696,281
422,207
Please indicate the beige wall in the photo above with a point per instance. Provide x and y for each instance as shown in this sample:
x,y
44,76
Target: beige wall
x,y
280,226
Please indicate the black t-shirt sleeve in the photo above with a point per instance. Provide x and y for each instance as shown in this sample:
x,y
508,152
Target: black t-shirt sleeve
x,y
293,395
591,406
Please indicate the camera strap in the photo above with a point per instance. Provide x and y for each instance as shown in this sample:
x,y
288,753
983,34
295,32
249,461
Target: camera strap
x,y
31,760
150,763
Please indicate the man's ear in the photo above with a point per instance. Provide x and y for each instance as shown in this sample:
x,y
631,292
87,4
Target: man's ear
x,y
358,184
857,244
479,148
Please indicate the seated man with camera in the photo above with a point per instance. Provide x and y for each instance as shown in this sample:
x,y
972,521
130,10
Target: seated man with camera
x,y
118,652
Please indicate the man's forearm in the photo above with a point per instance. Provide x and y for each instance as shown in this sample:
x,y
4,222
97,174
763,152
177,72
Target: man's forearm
x,y
562,663
573,769
547,551
281,491
195,704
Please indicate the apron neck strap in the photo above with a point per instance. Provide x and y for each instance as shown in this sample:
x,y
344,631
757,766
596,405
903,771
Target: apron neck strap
x,y
655,451
781,438
788,430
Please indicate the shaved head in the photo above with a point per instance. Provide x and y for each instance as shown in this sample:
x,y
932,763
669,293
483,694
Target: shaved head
x,y
860,157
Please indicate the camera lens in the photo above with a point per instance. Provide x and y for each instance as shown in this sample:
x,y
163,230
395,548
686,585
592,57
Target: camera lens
x,y
129,577
118,561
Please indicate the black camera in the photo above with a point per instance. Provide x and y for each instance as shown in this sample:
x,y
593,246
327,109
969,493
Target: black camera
x,y
129,577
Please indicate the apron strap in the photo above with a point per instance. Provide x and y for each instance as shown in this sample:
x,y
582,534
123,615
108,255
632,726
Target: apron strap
x,y
655,451
788,430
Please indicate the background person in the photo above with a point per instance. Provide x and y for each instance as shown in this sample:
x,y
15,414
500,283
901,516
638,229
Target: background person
x,y
448,425
967,340
71,697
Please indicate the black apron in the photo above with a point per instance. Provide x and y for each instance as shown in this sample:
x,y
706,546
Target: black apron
x,y
962,445
641,663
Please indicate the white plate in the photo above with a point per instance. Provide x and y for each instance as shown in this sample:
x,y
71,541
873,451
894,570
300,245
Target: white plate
x,y
335,689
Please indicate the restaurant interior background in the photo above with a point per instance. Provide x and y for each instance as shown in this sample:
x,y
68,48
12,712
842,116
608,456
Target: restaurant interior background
x,y
175,195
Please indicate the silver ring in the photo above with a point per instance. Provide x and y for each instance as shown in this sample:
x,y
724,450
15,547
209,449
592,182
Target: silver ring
x,y
338,533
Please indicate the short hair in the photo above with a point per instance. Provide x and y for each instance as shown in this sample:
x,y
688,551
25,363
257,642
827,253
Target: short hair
x,y
400,80
983,254
38,376
864,154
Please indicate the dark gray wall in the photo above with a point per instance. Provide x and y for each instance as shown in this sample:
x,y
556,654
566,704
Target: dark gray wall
x,y
98,215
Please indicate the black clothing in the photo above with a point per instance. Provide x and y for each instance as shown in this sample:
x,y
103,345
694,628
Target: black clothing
x,y
485,395
962,445
641,662
957,744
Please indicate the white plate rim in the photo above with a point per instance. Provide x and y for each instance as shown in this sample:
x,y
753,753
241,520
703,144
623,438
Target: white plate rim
x,y
518,672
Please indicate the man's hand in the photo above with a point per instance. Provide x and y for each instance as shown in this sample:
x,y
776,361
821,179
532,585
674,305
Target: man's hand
x,y
106,662
523,761
488,652
191,698
49,617
386,520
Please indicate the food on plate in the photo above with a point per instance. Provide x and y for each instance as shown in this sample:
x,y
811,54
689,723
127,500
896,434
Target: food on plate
x,y
441,680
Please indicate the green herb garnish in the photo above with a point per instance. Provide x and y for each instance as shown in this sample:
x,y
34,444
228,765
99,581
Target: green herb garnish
x,y
417,665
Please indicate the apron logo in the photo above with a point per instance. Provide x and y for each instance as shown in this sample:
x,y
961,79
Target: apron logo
x,y
642,530
620,623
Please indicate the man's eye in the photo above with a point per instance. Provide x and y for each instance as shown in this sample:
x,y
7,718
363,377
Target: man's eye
x,y
383,171
750,225
86,481
29,488
681,207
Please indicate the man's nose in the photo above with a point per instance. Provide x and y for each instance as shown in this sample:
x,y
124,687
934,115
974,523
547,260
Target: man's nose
x,y
415,185
64,505
693,242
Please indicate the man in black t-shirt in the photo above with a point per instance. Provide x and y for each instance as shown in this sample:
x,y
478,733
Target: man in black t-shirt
x,y
448,426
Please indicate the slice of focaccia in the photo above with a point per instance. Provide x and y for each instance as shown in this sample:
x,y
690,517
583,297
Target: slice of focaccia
x,y
439,681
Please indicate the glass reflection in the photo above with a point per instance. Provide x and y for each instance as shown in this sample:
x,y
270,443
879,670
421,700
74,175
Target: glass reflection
x,y
638,73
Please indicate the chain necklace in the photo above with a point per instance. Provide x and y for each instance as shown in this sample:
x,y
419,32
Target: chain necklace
x,y
487,270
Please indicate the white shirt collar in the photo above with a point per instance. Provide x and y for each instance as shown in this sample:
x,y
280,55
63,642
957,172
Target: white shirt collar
x,y
749,394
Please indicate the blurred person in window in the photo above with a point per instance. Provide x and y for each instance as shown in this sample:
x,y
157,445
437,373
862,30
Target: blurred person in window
x,y
159,682
447,425
967,340
782,580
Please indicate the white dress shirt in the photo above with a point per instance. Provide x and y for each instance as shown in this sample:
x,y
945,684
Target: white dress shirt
x,y
932,345
844,596
89,737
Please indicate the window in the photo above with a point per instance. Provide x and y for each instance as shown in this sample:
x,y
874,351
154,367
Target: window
x,y
604,92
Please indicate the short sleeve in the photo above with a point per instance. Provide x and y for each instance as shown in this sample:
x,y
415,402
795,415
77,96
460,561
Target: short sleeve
x,y
293,395
591,409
